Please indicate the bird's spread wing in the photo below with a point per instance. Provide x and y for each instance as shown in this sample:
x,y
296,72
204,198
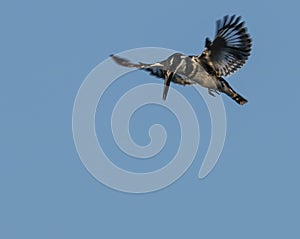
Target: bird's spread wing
x,y
230,49
154,70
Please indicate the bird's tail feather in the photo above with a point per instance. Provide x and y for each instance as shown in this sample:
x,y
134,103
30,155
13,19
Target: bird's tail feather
x,y
226,88
239,99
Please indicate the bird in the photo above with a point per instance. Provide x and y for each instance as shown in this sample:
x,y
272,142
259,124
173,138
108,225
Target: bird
x,y
221,57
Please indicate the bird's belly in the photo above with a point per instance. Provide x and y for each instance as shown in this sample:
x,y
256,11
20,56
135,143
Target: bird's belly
x,y
205,80
200,76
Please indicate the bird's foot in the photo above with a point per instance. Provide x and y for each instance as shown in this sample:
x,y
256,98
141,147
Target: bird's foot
x,y
211,92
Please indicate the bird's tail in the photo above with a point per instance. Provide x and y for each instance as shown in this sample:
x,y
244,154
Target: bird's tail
x,y
226,88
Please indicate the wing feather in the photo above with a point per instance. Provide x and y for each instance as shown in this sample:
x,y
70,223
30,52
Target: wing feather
x,y
153,69
230,48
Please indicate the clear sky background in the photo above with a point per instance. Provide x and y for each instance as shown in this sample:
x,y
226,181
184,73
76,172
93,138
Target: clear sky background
x,y
46,51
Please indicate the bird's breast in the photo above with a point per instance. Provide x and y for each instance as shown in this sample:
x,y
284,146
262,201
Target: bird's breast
x,y
196,72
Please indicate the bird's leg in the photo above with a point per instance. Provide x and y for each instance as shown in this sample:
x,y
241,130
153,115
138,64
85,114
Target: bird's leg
x,y
212,91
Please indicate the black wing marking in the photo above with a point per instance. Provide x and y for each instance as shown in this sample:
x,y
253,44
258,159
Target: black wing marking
x,y
124,62
177,79
231,47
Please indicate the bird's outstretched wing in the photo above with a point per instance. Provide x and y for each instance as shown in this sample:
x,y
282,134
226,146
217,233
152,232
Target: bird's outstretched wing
x,y
154,69
230,49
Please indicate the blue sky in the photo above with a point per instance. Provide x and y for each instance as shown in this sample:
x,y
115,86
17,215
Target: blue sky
x,y
47,49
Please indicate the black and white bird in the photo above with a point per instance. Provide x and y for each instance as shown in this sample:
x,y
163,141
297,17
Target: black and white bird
x,y
221,57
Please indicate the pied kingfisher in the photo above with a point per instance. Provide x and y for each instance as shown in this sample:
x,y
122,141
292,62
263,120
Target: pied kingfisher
x,y
221,57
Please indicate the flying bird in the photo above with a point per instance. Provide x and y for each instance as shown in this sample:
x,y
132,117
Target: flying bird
x,y
221,57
